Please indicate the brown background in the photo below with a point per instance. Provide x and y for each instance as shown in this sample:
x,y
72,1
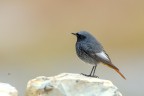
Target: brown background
x,y
35,39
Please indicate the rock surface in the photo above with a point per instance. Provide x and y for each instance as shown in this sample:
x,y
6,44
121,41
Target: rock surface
x,y
7,90
67,84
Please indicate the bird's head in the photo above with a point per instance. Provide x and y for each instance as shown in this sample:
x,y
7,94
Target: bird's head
x,y
83,35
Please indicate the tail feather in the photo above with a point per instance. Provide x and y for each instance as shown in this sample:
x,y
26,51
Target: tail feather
x,y
120,73
116,69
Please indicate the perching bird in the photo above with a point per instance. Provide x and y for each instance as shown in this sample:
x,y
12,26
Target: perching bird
x,y
91,51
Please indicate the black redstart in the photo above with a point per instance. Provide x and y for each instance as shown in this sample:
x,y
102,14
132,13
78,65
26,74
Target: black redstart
x,y
91,51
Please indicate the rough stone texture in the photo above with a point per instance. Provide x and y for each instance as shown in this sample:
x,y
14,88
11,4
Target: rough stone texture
x,y
67,84
7,90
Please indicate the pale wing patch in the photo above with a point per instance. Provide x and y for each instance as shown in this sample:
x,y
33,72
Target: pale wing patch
x,y
103,56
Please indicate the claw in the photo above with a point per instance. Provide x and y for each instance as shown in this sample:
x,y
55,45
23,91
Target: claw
x,y
90,75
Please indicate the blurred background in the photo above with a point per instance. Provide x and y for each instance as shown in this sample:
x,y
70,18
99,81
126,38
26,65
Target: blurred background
x,y
36,40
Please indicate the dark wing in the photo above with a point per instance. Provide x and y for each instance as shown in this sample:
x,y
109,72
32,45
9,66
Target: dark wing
x,y
90,50
95,51
103,56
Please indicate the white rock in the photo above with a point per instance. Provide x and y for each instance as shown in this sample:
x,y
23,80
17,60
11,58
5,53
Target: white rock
x,y
7,90
67,84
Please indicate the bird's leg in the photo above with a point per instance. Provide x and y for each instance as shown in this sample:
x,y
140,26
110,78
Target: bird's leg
x,y
92,70
93,75
90,75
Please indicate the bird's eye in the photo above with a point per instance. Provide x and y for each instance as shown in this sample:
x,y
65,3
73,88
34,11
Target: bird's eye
x,y
80,37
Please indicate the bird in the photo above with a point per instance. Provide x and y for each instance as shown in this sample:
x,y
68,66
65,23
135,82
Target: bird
x,y
90,50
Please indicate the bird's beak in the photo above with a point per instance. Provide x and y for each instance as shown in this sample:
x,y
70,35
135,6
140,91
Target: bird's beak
x,y
74,33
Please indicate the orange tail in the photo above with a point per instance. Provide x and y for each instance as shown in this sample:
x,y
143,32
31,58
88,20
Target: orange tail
x,y
116,69
120,73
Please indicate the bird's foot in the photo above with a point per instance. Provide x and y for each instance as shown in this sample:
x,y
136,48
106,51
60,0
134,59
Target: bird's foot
x,y
86,75
90,75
